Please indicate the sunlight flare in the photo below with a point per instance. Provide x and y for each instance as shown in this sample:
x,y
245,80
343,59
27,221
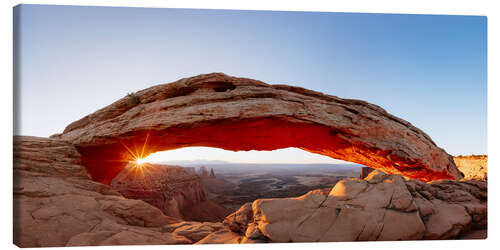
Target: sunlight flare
x,y
140,161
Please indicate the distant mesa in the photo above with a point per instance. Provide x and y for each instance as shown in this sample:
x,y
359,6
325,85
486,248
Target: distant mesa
x,y
199,162
240,114
203,172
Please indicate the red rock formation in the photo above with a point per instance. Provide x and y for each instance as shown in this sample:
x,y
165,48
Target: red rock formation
x,y
205,211
170,188
216,110
203,172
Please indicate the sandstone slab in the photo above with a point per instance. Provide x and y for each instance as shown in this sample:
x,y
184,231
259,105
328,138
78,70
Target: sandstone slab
x,y
381,207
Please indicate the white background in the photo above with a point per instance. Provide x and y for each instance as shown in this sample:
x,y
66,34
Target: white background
x,y
477,7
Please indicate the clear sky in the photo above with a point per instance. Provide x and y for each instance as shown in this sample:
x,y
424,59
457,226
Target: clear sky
x,y
427,69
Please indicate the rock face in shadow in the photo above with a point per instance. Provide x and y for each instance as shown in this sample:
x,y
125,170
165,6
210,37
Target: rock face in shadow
x,y
172,189
380,207
216,110
57,204
473,167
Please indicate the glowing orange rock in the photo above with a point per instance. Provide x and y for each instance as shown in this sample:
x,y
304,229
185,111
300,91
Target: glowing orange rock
x,y
217,110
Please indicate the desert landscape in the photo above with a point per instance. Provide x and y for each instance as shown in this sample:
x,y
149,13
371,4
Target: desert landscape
x,y
242,183
89,186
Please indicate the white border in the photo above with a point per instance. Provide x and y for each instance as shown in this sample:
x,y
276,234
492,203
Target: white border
x,y
456,7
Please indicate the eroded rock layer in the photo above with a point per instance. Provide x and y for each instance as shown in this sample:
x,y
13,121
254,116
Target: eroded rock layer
x,y
380,207
57,204
170,188
167,188
217,110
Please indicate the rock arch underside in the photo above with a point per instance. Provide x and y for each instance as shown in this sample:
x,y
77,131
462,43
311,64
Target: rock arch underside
x,y
216,110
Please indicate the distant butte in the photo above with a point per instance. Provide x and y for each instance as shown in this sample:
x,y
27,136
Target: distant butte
x,y
216,110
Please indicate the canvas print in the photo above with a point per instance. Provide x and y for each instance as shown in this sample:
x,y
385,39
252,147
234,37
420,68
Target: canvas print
x,y
156,126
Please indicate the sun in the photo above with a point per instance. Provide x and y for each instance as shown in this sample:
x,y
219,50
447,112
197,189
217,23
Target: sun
x,y
137,157
140,161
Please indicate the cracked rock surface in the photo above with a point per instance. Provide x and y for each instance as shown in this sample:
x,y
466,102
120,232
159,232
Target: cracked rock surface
x,y
379,207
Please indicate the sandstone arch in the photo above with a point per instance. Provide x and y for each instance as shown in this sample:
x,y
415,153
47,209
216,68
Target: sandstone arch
x,y
217,110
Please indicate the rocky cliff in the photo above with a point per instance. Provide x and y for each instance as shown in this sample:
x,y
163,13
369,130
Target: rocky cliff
x,y
473,167
169,188
57,204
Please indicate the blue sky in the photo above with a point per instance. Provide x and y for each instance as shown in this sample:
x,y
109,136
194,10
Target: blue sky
x,y
427,69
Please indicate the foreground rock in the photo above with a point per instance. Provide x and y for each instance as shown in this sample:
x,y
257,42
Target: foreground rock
x,y
217,110
171,189
57,204
380,207
365,171
194,231
473,167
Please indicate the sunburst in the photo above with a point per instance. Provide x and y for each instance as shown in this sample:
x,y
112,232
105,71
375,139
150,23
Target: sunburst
x,y
137,157
140,161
